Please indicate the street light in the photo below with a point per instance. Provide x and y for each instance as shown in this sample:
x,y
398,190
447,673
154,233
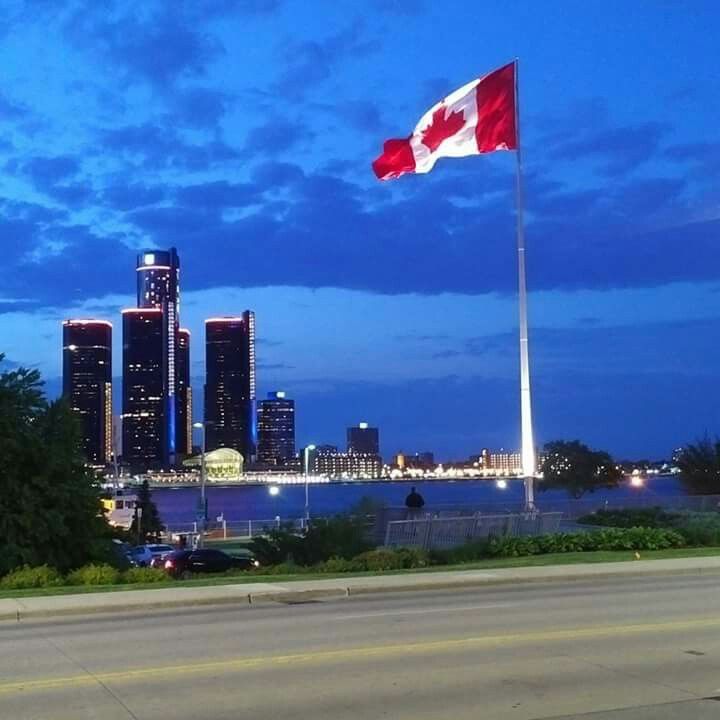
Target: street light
x,y
274,491
306,466
201,426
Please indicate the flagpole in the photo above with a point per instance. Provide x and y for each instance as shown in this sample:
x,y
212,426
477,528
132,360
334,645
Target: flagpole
x,y
528,445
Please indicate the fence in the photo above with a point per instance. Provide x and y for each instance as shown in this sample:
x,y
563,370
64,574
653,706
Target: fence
x,y
241,529
444,532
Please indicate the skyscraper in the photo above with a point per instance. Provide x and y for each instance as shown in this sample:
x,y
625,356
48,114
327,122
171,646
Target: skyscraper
x,y
363,439
87,383
276,429
230,384
144,427
158,286
183,391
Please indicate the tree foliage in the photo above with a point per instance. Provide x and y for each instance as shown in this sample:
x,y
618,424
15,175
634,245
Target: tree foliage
x,y
574,467
700,467
148,518
50,511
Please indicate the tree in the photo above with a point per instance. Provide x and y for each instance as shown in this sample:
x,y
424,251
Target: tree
x,y
573,466
149,518
700,467
50,510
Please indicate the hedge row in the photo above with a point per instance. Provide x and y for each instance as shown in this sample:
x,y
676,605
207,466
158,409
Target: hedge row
x,y
699,529
45,576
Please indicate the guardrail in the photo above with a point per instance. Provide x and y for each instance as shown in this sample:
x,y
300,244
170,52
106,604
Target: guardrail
x,y
444,532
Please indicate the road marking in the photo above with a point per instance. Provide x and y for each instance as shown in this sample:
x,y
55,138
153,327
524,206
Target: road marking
x,y
423,611
238,664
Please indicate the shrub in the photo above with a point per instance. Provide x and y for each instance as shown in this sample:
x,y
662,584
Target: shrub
x,y
380,559
339,565
412,558
31,577
143,575
94,575
338,537
700,532
654,517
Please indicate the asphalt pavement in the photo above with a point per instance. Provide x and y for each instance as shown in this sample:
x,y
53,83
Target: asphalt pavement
x,y
623,648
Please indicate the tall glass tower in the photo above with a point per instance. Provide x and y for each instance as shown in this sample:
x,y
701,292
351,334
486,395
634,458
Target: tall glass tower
x,y
230,384
183,392
87,383
276,429
158,286
144,426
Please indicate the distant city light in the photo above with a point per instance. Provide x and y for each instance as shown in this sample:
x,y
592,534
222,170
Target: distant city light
x,y
637,481
501,484
274,490
363,425
149,259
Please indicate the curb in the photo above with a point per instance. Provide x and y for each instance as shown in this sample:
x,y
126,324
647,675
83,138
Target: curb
x,y
307,595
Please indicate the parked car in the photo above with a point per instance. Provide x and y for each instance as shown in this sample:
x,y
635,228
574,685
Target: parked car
x,y
185,563
139,556
148,555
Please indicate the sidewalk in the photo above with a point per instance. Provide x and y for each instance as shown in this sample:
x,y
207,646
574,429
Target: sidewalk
x,y
183,597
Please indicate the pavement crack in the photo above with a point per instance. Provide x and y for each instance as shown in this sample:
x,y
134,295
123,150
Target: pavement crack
x,y
109,691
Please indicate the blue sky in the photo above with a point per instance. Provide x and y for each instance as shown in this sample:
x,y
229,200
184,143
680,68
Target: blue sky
x,y
242,133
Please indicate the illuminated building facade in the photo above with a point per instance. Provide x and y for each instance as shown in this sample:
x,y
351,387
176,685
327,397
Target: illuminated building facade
x,y
144,426
87,384
363,439
230,384
158,287
276,429
504,463
326,460
183,393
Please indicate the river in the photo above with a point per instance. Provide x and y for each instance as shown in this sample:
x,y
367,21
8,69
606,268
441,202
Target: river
x,y
254,502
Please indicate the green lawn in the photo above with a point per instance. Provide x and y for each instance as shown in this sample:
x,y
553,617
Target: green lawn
x,y
533,561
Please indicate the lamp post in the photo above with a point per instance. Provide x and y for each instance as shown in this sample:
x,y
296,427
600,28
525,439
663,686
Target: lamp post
x,y
203,506
306,467
274,491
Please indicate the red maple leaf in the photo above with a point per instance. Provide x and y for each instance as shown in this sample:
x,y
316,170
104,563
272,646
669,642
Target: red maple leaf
x,y
441,127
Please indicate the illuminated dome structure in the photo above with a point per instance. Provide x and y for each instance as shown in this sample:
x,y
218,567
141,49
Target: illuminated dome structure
x,y
220,465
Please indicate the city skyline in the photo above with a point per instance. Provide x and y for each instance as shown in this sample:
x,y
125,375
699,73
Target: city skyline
x,y
392,304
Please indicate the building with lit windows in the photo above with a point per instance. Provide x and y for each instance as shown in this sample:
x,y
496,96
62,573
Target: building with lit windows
x,y
276,429
326,460
230,384
363,439
144,427
503,463
158,287
87,384
183,393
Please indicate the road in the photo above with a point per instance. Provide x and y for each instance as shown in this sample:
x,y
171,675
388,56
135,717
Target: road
x,y
624,649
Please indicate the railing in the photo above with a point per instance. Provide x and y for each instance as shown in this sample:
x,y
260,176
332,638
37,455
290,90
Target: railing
x,y
241,529
444,532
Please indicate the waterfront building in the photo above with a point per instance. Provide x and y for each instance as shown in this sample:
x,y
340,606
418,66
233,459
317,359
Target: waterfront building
x,y
415,461
276,429
87,384
363,439
501,462
230,384
183,392
158,287
326,460
144,426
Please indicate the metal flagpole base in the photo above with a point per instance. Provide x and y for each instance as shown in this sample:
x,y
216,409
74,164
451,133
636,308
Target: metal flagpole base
x,y
530,507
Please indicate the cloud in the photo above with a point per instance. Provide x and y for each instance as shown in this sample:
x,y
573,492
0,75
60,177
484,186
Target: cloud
x,y
129,197
276,136
618,150
152,42
310,62
155,146
11,110
199,107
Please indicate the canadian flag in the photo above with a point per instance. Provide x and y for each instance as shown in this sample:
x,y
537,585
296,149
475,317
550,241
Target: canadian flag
x,y
477,118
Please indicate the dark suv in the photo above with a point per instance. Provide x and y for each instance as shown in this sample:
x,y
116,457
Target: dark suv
x,y
185,563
